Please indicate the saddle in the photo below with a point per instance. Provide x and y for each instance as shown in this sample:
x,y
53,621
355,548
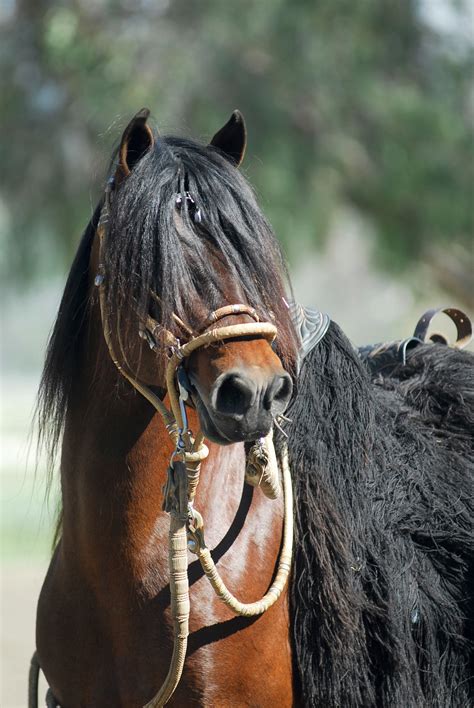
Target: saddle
x,y
384,358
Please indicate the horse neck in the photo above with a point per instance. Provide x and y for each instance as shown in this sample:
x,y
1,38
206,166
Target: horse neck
x,y
115,457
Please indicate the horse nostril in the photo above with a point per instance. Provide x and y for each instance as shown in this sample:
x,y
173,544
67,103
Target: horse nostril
x,y
234,395
278,394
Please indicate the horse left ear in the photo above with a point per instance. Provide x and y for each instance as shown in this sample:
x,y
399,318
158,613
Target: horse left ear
x,y
137,140
232,138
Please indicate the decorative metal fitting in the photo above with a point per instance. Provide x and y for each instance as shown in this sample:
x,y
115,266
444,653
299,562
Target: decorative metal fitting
x,y
145,334
189,199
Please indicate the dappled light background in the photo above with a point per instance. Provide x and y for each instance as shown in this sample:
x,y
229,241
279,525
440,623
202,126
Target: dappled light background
x,y
359,117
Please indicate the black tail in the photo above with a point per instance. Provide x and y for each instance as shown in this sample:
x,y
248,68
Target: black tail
x,y
384,555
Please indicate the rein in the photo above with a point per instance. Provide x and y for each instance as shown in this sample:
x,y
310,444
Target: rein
x,y
186,523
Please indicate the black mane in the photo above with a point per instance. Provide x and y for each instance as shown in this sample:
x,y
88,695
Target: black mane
x,y
382,597
152,244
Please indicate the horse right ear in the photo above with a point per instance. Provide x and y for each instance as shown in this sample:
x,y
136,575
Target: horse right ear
x,y
137,140
232,138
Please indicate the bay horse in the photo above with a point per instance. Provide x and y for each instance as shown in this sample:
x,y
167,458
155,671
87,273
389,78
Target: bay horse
x,y
379,611
185,238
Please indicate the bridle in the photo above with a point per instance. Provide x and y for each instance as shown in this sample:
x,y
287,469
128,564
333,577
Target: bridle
x,y
263,469
186,523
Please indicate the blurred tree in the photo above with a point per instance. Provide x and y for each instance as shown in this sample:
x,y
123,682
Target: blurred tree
x,y
347,103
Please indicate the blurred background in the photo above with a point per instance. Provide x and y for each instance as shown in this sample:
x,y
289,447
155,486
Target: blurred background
x,y
360,121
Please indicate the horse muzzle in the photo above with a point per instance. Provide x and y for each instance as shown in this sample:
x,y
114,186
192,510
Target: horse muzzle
x,y
241,405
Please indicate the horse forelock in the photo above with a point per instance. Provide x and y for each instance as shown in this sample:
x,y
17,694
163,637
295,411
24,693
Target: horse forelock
x,y
193,264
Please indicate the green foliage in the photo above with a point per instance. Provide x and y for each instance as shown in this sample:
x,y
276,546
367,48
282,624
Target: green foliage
x,y
346,102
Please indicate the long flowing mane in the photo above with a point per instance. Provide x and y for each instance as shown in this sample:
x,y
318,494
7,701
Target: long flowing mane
x,y
151,245
382,595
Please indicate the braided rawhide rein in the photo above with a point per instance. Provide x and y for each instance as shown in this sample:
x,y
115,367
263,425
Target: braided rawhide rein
x,y
186,524
185,521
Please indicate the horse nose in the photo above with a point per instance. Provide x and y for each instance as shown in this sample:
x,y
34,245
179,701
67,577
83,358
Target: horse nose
x,y
278,394
236,393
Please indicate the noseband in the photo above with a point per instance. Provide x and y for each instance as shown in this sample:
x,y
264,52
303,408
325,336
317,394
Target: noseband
x,y
186,523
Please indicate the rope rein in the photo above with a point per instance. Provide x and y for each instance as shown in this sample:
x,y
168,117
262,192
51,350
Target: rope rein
x,y
186,524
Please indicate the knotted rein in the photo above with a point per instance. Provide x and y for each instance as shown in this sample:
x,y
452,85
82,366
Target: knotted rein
x,y
186,524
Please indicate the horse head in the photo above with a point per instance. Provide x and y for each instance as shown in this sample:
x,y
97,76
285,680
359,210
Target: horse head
x,y
185,251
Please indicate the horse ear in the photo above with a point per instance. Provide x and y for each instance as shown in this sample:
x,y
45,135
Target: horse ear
x,y
232,138
137,139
